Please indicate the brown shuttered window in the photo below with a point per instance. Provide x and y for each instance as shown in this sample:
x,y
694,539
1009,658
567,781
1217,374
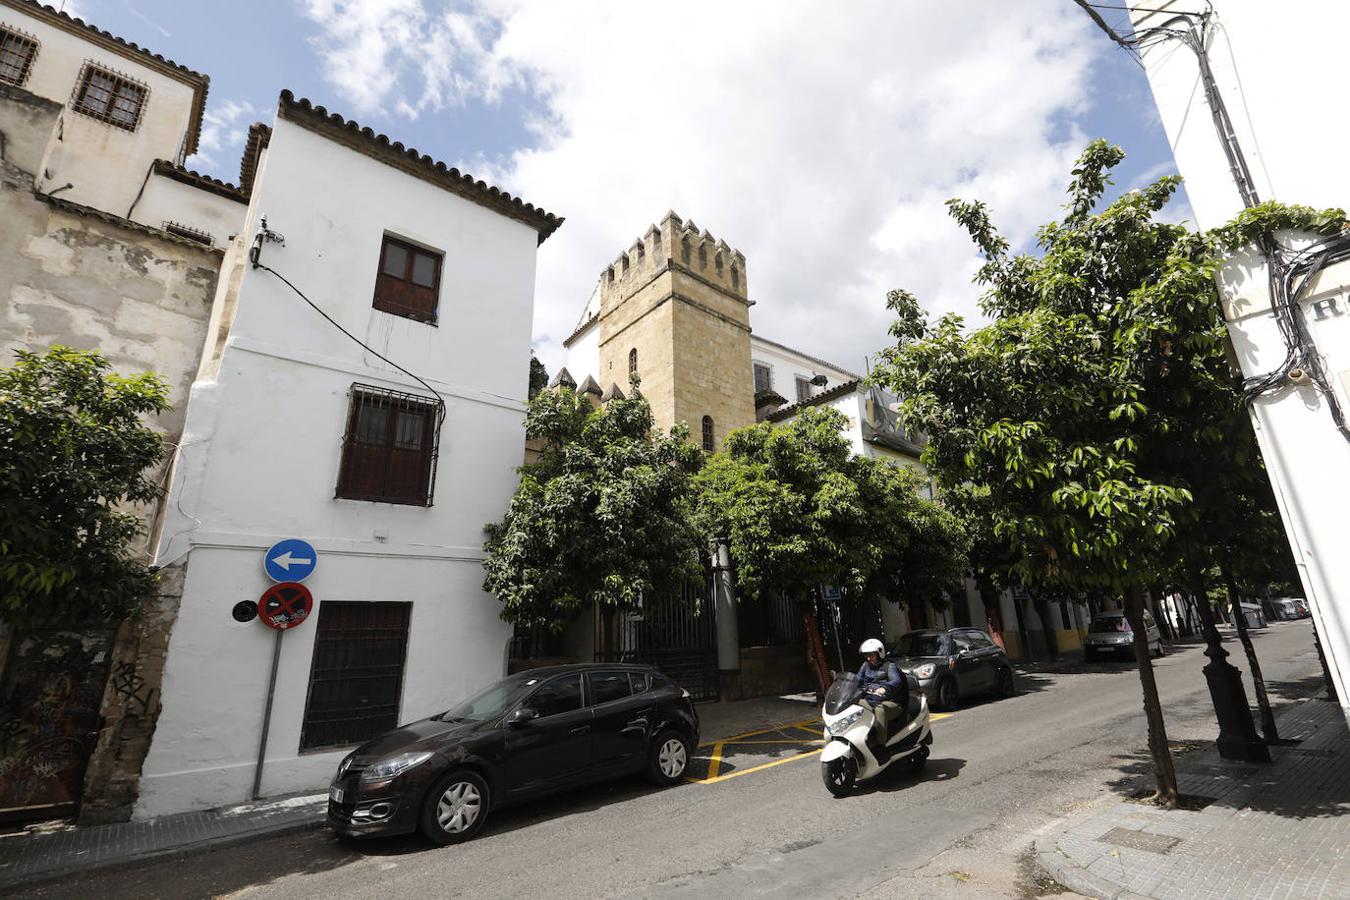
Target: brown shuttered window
x,y
389,450
409,281
111,98
17,52
356,678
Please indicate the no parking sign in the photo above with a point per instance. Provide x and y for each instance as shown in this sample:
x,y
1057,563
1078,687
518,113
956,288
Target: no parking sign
x,y
285,605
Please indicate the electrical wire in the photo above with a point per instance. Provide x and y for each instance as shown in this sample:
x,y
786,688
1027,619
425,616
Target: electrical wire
x,y
255,255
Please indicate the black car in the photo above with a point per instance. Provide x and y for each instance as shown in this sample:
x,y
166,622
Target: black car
x,y
952,664
527,735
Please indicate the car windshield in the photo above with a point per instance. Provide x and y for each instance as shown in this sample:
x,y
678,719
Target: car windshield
x,y
1110,623
492,700
920,644
842,693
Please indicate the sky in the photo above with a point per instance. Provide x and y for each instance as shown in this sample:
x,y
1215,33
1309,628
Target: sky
x,y
820,139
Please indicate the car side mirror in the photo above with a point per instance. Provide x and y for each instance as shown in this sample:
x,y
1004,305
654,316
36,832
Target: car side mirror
x,y
523,716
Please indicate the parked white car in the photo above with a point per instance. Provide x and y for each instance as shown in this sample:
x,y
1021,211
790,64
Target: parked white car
x,y
1110,634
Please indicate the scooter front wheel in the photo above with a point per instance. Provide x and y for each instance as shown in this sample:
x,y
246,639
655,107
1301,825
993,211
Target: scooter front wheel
x,y
840,775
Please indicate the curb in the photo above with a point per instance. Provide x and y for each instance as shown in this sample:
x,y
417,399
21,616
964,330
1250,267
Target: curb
x,y
67,869
1076,878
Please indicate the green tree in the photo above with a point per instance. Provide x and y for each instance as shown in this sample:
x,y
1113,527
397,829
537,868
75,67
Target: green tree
x,y
602,518
1063,406
73,452
797,510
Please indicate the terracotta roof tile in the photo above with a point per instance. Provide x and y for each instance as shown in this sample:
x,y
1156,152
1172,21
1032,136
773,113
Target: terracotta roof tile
x,y
394,153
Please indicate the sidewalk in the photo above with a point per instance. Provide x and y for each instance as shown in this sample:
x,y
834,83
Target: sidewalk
x,y
27,857
1281,830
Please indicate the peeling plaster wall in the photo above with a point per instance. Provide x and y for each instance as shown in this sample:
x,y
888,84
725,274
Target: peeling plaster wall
x,y
82,281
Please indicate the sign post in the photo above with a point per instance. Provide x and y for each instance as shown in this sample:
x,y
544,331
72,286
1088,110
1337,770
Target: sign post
x,y
281,607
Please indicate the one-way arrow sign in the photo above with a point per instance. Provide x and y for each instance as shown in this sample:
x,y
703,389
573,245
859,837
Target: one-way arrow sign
x,y
290,560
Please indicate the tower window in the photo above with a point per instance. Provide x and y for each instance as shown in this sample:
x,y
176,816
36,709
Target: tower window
x,y
735,278
110,98
763,378
632,361
717,261
703,257
17,52
684,250
708,434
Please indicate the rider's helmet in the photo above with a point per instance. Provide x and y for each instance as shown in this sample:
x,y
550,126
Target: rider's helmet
x,y
872,645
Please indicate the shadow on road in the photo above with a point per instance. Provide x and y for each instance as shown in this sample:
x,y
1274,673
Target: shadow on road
x,y
903,776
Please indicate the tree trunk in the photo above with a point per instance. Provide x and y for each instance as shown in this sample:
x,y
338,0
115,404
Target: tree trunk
x,y
1022,634
990,596
1164,625
1042,606
1158,749
815,653
1235,604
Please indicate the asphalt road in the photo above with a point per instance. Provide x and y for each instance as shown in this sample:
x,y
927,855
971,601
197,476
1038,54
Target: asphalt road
x,y
1000,771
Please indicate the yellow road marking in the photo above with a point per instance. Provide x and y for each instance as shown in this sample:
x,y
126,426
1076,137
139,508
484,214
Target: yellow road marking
x,y
747,734
715,763
810,740
759,768
715,760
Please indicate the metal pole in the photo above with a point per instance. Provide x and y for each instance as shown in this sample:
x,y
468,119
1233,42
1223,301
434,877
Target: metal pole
x,y
267,715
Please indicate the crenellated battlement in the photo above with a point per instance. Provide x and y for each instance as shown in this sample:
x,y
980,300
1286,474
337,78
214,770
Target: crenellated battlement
x,y
682,244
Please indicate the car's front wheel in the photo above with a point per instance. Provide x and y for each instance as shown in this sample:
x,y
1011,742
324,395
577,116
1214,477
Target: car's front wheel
x,y
947,695
668,759
456,808
1006,686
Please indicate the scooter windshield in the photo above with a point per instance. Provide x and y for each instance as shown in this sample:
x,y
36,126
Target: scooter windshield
x,y
843,693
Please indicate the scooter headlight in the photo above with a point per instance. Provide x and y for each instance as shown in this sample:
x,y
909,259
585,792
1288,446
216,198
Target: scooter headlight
x,y
839,726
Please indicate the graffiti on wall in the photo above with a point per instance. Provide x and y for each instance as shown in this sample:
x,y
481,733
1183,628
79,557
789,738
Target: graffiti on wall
x,y
49,707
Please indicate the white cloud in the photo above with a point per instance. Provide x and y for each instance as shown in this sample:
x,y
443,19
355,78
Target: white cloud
x,y
224,125
819,139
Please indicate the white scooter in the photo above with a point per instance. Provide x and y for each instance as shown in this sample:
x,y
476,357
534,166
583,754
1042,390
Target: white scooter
x,y
853,751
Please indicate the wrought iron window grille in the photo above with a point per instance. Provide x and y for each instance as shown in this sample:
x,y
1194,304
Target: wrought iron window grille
x,y
18,49
390,448
111,97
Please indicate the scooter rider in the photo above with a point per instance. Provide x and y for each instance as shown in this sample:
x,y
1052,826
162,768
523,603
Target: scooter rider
x,y
883,683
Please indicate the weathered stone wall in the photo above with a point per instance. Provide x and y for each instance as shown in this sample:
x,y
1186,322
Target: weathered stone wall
x,y
678,296
91,280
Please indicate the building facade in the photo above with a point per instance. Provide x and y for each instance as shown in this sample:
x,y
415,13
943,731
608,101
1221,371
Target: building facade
x,y
1269,70
387,448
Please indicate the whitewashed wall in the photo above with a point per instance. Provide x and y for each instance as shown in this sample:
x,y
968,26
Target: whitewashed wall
x,y
167,200
1294,137
105,163
786,365
261,457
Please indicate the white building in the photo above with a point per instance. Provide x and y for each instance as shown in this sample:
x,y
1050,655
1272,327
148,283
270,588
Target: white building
x,y
297,430
1275,71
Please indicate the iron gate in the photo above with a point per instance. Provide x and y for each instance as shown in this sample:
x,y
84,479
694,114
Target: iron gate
x,y
677,636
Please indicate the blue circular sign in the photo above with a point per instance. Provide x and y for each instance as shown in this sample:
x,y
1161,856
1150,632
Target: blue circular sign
x,y
290,560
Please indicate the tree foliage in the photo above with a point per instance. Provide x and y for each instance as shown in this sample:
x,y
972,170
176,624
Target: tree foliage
x,y
797,510
73,451
603,517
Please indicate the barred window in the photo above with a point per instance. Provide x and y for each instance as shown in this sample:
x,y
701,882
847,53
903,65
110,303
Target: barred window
x,y
409,281
763,378
17,52
356,677
632,361
114,99
390,448
803,389
708,434
191,234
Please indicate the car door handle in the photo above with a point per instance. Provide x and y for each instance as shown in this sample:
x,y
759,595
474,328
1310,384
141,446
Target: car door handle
x,y
580,729
639,722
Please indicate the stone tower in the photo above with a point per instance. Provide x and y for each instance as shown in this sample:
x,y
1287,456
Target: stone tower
x,y
675,306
